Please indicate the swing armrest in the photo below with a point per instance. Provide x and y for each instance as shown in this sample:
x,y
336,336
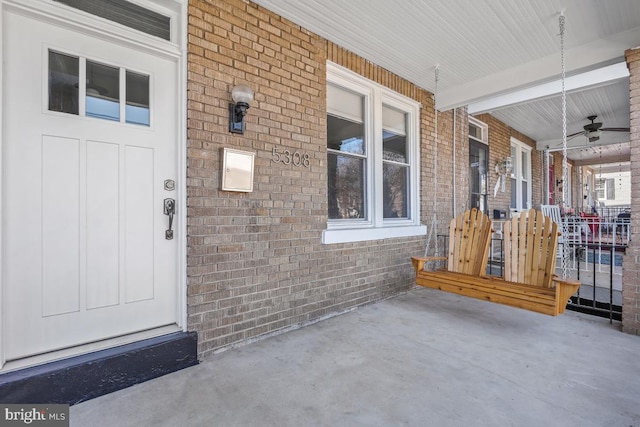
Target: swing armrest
x,y
418,262
565,288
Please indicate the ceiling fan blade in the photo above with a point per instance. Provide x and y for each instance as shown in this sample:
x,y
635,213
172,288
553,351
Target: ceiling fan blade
x,y
615,129
576,134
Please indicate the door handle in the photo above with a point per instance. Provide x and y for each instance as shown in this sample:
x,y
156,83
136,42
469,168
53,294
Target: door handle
x,y
170,210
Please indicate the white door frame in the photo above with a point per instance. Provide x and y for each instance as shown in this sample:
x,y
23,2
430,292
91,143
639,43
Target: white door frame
x,y
48,11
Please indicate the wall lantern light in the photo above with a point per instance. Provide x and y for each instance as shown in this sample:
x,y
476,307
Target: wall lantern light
x,y
503,168
242,95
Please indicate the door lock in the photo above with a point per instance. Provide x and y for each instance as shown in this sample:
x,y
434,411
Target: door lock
x,y
170,210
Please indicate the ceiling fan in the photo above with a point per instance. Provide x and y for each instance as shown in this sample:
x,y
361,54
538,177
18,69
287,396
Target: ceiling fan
x,y
593,130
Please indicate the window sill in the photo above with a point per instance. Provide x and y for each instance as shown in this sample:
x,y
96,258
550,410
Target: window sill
x,y
364,234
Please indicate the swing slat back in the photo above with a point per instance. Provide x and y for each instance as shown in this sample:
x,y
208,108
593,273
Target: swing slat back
x,y
469,240
530,243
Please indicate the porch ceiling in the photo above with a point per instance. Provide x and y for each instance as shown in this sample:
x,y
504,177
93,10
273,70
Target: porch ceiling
x,y
495,55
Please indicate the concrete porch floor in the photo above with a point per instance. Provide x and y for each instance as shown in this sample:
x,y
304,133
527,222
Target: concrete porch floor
x,y
425,358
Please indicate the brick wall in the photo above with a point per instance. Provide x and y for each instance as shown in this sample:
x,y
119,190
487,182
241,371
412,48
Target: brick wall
x,y
256,264
631,261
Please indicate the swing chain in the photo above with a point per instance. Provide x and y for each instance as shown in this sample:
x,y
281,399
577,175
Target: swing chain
x,y
432,228
565,167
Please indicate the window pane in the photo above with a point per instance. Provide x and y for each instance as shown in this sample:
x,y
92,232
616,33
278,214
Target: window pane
x,y
514,162
345,135
611,189
394,139
103,91
514,194
394,193
63,83
474,131
346,186
600,188
525,195
137,108
525,165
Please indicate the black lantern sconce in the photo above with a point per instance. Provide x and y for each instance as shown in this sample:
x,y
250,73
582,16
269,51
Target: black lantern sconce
x,y
242,95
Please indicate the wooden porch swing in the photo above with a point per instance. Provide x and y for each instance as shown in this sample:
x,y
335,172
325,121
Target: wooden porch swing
x,y
530,248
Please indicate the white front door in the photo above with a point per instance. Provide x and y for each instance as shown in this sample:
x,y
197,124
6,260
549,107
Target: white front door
x,y
90,137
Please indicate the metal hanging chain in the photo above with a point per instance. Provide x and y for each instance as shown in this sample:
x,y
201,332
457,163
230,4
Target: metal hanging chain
x,y
432,228
565,167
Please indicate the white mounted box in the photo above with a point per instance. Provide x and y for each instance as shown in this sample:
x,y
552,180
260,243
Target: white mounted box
x,y
237,170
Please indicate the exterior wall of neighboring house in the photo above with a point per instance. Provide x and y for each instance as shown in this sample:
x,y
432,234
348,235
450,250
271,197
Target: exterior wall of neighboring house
x,y
631,262
615,188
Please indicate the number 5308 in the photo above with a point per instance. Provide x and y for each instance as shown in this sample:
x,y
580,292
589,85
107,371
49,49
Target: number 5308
x,y
295,158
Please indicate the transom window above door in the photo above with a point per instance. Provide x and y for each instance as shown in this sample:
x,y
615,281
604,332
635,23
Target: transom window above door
x,y
83,87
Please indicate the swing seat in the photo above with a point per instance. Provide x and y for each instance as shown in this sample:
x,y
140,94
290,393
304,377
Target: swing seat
x,y
530,243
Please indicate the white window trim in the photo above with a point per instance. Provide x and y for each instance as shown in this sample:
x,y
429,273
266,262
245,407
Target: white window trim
x,y
485,130
375,226
520,147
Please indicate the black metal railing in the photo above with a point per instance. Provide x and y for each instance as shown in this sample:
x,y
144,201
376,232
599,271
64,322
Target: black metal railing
x,y
595,260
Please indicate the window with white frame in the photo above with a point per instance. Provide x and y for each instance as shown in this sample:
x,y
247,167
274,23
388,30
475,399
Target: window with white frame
x,y
606,188
478,131
372,160
520,175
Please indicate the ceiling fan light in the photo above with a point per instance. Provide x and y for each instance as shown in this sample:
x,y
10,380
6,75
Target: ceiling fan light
x,y
595,134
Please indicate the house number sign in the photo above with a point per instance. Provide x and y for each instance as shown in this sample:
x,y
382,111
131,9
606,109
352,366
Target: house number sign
x,y
295,158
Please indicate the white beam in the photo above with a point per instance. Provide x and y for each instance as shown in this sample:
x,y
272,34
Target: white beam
x,y
580,141
591,79
580,58
618,158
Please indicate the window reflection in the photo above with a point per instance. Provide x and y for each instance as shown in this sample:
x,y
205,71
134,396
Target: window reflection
x,y
137,107
103,91
345,186
395,190
63,83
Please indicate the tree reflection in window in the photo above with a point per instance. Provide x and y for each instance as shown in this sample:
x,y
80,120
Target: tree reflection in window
x,y
346,168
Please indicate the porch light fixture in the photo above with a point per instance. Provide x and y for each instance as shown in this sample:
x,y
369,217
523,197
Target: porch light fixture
x,y
505,166
242,95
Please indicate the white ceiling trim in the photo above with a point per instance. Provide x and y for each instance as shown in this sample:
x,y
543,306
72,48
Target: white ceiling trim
x,y
589,80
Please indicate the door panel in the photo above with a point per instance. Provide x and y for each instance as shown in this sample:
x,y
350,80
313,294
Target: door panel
x,y
85,258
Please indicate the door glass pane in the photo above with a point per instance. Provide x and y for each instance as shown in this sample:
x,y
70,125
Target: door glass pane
x,y
103,91
478,163
395,190
137,107
345,186
63,83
